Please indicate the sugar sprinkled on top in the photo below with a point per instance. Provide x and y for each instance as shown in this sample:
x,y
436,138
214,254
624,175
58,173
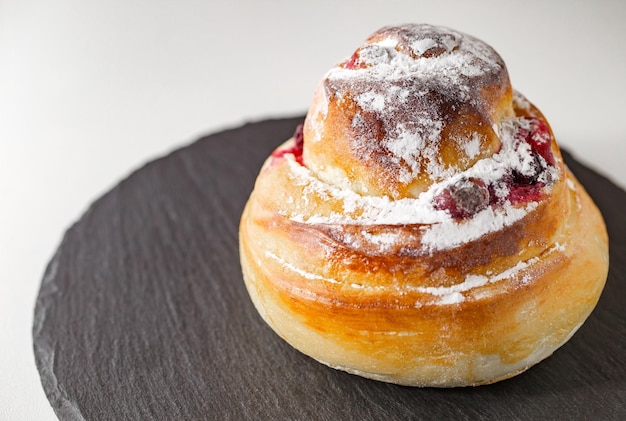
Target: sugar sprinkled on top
x,y
404,78
453,294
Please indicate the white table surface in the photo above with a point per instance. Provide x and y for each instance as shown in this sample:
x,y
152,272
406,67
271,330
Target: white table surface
x,y
91,90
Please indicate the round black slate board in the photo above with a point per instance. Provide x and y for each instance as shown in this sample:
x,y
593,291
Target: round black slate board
x,y
143,314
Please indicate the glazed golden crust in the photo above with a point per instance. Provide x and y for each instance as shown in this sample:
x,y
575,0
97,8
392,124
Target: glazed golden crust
x,y
374,277
363,314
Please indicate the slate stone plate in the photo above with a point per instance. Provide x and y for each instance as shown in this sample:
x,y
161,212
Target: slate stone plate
x,y
143,314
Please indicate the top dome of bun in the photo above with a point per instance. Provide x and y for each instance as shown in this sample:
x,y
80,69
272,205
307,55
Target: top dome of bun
x,y
413,105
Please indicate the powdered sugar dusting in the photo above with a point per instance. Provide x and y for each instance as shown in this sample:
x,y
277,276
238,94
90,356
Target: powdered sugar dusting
x,y
359,209
451,234
453,294
520,101
472,145
373,101
385,241
420,46
303,273
412,71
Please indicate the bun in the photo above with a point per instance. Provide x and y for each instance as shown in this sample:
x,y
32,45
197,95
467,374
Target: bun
x,y
421,228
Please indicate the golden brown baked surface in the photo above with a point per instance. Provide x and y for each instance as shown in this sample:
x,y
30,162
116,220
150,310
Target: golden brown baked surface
x,y
422,228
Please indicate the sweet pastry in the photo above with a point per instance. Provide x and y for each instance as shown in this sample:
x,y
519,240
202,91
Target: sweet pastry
x,y
421,228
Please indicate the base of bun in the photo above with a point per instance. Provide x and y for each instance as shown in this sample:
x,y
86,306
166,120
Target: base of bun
x,y
489,337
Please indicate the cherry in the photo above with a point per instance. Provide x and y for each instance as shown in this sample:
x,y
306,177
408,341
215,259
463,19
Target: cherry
x,y
464,198
519,193
353,62
296,149
469,196
527,187
299,137
539,137
533,177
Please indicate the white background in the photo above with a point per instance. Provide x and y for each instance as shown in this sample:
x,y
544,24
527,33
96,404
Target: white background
x,y
91,90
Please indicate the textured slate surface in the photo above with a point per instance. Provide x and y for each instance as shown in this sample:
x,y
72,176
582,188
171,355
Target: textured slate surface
x,y
143,314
